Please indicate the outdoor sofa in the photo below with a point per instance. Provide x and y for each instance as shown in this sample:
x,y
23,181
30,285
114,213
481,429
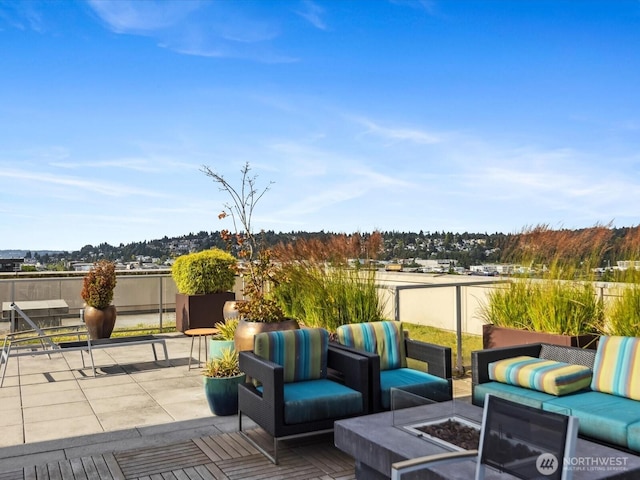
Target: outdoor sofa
x,y
601,387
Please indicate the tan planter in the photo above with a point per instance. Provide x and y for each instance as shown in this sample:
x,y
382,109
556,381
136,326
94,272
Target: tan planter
x,y
494,337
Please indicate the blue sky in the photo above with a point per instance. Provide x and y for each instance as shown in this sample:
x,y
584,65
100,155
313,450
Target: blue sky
x,y
479,116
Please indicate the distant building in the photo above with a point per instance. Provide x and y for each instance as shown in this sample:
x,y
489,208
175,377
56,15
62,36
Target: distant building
x,y
11,264
627,264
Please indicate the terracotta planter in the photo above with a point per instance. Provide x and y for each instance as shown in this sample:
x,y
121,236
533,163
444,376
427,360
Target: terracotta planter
x,y
493,337
200,311
247,330
100,322
222,394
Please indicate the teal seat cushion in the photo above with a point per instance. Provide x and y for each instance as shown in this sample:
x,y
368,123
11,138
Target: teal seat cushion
x,y
526,396
414,381
633,436
602,416
318,400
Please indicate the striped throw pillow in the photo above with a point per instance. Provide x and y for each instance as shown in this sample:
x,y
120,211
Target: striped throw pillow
x,y
302,353
384,338
549,376
617,367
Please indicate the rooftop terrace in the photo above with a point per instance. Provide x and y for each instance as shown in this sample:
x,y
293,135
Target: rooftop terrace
x,y
138,419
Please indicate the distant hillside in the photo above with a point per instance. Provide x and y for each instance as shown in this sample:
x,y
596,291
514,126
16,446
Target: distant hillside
x,y
23,253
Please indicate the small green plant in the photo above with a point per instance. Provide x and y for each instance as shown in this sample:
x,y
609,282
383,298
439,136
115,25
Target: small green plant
x,y
227,329
226,365
624,313
98,285
209,271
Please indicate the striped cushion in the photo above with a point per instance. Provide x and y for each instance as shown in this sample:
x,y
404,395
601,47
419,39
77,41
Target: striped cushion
x,y
549,376
617,367
384,338
302,353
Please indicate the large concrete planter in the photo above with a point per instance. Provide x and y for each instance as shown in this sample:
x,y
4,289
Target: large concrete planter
x,y
200,311
247,330
493,337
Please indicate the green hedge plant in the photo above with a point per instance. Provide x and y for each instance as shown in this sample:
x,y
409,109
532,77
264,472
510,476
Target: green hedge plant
x,y
209,271
624,313
549,305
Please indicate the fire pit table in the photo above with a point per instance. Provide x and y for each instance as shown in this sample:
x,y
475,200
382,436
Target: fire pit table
x,y
379,440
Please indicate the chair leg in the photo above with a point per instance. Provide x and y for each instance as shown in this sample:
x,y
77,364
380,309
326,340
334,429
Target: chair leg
x,y
272,458
4,360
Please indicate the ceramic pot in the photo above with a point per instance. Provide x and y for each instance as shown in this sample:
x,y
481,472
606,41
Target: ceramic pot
x,y
222,394
100,322
247,330
217,346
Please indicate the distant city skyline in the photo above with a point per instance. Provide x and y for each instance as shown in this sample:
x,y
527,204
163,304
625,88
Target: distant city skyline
x,y
398,115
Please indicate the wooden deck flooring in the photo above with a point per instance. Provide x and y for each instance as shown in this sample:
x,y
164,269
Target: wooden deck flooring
x,y
218,457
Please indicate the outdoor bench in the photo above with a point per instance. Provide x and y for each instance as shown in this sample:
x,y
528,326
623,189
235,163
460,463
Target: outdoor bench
x,y
601,387
121,342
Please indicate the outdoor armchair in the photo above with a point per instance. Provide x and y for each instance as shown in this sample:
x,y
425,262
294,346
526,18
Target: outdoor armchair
x,y
290,394
387,348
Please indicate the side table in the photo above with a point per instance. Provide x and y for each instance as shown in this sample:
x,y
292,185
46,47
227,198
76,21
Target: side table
x,y
200,332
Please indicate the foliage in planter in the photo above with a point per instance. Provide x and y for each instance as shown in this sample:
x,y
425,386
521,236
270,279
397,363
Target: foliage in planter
x,y
98,285
227,329
209,271
551,306
224,366
318,286
328,297
259,272
623,316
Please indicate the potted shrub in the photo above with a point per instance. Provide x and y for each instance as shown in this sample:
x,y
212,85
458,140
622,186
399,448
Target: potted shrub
x,y
204,281
97,292
259,310
221,378
224,339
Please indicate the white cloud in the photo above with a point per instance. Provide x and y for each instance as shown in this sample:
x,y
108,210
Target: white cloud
x,y
397,134
101,187
124,16
313,14
206,29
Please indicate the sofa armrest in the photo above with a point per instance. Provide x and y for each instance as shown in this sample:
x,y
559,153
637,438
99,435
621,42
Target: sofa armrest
x,y
353,371
269,374
437,357
480,359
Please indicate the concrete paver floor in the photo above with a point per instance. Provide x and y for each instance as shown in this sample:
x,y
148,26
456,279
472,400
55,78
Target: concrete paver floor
x,y
53,408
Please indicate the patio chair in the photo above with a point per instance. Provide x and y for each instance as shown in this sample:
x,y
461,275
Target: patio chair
x,y
290,394
520,440
387,348
42,341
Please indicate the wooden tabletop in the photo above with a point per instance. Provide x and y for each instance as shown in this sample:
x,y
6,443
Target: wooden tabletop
x,y
196,332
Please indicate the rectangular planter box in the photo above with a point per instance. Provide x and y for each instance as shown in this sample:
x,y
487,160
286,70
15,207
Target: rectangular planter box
x,y
493,337
200,311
